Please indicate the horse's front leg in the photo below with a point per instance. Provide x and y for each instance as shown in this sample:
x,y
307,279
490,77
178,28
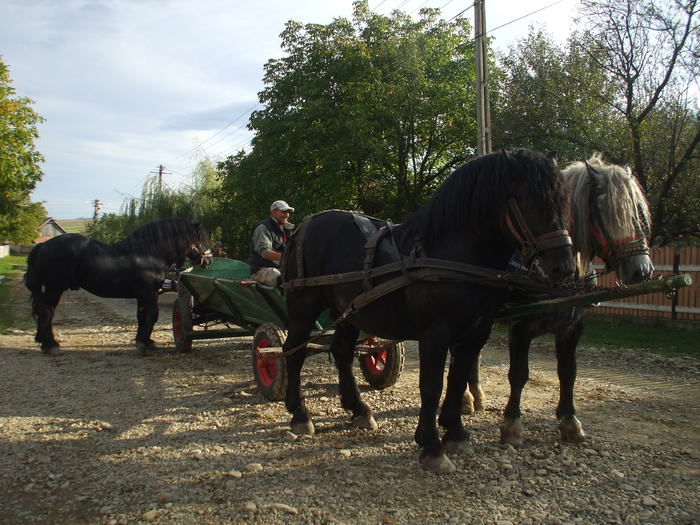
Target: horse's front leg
x,y
147,316
44,307
343,351
570,427
299,331
519,339
432,366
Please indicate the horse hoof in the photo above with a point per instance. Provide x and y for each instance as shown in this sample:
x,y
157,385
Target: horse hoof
x,y
303,428
146,350
53,351
366,422
467,404
512,433
571,430
438,465
457,448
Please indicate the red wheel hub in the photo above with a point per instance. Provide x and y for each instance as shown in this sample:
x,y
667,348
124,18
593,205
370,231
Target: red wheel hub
x,y
375,362
267,368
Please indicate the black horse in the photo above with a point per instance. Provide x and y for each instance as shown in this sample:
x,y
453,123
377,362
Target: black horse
x,y
466,221
132,268
610,220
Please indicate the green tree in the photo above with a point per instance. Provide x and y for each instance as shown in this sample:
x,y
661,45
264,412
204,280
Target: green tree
x,y
367,114
623,87
649,53
550,100
19,162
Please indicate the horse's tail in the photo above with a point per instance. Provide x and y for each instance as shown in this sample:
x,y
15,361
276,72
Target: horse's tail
x,y
32,279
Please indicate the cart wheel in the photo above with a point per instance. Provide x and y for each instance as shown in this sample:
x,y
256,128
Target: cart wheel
x,y
270,373
381,369
182,322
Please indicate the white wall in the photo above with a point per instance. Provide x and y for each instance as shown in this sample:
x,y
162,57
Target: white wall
x,y
4,250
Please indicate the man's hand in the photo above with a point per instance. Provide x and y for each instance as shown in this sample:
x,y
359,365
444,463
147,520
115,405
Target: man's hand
x,y
272,255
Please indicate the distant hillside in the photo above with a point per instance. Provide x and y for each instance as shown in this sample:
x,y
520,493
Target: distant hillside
x,y
75,225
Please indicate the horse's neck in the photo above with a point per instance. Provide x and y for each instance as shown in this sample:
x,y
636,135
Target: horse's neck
x,y
129,248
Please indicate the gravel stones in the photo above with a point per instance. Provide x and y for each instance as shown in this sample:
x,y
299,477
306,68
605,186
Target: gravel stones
x,y
99,436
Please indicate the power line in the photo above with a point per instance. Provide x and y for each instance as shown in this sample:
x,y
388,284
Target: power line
x,y
460,13
246,112
524,16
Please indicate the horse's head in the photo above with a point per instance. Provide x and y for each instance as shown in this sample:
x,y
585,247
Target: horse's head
x,y
618,221
538,212
199,255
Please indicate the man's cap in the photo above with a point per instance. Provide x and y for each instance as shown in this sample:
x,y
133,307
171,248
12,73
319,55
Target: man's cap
x,y
219,243
281,205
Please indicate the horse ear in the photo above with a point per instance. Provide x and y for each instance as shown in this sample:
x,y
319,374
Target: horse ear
x,y
627,168
552,155
511,169
598,181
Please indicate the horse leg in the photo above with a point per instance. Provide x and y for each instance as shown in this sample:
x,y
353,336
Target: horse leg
x,y
465,358
473,400
343,350
519,338
299,331
566,341
147,316
432,366
44,307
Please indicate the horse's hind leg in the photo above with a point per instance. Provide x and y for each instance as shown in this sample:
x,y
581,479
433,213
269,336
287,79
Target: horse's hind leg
x,y
570,427
343,350
465,359
519,338
44,307
147,316
473,400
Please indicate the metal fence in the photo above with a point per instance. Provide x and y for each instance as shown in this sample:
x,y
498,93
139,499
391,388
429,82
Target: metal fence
x,y
683,306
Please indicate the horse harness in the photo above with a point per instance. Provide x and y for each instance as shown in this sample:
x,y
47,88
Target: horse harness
x,y
416,267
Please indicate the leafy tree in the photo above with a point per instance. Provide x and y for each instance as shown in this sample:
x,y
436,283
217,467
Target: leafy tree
x,y
25,221
367,114
649,52
550,100
622,87
19,162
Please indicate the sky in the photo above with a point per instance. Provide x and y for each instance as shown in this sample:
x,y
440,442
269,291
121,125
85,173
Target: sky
x,y
126,86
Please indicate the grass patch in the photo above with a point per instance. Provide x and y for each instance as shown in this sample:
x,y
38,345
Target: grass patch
x,y
654,336
658,337
75,225
14,307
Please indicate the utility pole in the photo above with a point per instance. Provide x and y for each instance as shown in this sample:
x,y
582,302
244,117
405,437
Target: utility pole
x,y
483,108
96,204
161,171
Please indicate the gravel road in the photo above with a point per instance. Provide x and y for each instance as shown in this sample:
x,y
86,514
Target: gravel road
x,y
101,435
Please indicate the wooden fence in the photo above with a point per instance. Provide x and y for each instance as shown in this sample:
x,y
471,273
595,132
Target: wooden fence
x,y
684,306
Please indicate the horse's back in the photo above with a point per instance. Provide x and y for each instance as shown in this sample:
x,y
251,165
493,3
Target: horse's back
x,y
330,243
53,263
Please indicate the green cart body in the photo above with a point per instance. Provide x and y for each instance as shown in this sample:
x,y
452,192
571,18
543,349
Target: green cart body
x,y
222,301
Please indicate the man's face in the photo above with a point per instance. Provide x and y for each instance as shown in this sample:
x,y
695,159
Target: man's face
x,y
280,216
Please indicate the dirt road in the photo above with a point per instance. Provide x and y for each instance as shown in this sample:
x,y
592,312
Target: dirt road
x,y
101,435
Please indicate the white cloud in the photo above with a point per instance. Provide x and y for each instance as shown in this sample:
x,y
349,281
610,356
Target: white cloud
x,y
125,85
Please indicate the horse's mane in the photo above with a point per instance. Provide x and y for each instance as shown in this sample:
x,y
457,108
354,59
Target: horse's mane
x,y
472,199
623,194
164,236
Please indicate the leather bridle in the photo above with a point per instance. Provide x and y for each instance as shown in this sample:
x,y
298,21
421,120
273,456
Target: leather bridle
x,y
530,245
